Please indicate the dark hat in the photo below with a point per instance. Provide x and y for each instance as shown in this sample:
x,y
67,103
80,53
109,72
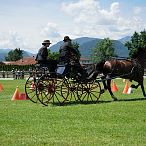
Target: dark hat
x,y
66,38
46,42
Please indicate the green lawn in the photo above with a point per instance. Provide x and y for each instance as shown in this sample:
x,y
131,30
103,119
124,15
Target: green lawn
x,y
107,123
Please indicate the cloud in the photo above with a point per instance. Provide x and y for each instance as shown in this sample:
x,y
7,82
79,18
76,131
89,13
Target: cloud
x,y
92,20
51,31
137,10
75,18
12,40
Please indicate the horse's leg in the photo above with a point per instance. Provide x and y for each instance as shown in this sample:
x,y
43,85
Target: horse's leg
x,y
104,85
109,89
135,86
142,88
143,91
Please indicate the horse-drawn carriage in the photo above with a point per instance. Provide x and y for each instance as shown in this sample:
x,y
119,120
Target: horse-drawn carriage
x,y
66,84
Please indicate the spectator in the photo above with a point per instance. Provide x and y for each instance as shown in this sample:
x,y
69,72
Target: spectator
x,y
3,74
13,73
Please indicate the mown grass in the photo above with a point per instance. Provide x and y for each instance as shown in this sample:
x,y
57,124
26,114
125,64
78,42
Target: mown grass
x,y
23,123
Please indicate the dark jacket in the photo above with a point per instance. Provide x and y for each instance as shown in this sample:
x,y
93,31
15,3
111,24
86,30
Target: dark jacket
x,y
67,52
42,54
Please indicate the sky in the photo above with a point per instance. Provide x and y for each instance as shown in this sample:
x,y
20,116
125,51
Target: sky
x,y
25,24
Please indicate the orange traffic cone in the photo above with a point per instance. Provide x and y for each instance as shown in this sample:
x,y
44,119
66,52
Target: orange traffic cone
x,y
114,87
126,88
1,87
22,96
16,94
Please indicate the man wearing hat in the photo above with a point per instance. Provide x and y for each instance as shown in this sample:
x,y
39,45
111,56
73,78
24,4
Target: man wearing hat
x,y
67,54
42,56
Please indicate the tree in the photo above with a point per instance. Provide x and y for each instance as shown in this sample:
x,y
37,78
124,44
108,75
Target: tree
x,y
76,46
14,55
53,55
103,50
138,41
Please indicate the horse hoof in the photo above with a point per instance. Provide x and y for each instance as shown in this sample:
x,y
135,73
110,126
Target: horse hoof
x,y
115,99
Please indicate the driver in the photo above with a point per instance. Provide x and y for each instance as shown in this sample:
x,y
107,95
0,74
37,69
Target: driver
x,y
69,54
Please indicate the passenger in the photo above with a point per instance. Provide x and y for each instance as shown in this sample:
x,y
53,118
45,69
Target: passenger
x,y
42,57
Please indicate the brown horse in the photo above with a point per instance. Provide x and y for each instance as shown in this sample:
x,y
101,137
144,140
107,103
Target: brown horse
x,y
132,69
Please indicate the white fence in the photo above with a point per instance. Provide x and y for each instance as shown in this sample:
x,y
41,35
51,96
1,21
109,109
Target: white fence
x,y
14,75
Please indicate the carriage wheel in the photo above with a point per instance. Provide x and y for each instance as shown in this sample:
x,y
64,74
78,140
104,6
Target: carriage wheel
x,y
89,92
49,90
71,86
30,88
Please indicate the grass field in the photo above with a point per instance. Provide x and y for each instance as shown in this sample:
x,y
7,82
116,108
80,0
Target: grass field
x,y
107,123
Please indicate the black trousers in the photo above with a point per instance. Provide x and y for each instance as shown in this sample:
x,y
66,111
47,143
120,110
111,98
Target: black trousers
x,y
50,63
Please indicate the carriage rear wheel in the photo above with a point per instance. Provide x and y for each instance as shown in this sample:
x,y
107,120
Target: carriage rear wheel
x,y
31,83
89,92
30,88
49,89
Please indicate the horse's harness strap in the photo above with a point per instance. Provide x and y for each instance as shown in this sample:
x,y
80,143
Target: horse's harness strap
x,y
114,66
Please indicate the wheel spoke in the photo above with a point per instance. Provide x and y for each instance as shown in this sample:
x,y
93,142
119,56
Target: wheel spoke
x,y
89,92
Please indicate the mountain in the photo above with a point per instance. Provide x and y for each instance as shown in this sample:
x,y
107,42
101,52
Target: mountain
x,y
4,53
87,47
84,40
88,44
28,54
120,49
125,39
81,41
55,48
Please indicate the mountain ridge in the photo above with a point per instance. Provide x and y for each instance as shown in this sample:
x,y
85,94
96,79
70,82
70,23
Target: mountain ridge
x,y
86,45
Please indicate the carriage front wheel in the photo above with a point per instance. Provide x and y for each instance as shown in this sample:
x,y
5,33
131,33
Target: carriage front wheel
x,y
71,88
89,92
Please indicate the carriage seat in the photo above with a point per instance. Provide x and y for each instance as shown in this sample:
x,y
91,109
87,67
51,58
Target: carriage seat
x,y
39,66
89,70
60,68
68,69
